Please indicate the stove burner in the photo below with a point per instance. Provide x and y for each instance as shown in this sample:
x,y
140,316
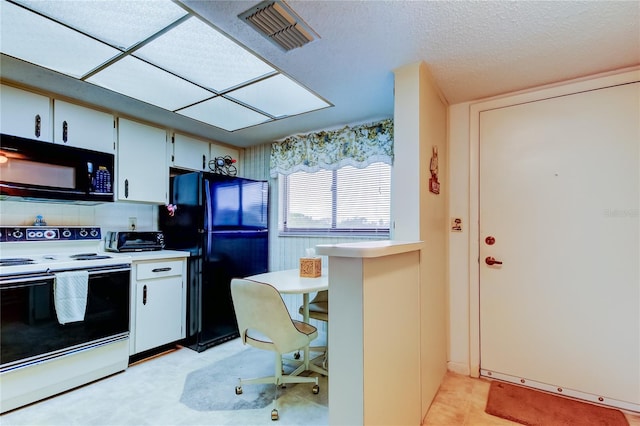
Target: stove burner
x,y
89,256
16,261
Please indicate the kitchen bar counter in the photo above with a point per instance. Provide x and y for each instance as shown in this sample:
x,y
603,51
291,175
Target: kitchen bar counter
x,y
368,248
374,332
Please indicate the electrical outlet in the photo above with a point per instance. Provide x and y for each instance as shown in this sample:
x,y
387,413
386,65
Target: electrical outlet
x,y
133,223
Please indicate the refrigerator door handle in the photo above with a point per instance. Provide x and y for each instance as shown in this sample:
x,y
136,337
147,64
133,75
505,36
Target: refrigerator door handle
x,y
208,204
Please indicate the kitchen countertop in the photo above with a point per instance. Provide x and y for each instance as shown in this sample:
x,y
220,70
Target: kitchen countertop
x,y
368,248
138,256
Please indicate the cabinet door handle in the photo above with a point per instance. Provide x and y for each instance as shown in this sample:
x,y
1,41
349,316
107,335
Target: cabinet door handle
x,y
160,269
38,125
126,188
204,161
144,295
65,131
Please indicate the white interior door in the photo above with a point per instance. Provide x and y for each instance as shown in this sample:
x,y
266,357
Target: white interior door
x,y
559,193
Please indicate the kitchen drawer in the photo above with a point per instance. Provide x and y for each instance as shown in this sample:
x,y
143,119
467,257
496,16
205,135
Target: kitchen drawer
x,y
169,268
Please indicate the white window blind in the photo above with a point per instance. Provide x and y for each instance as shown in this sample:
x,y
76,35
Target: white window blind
x,y
347,200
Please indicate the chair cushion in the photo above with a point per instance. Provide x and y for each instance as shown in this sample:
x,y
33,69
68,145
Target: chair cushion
x,y
307,329
319,307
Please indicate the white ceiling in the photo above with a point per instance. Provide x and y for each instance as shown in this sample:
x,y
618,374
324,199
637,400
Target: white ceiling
x,y
474,50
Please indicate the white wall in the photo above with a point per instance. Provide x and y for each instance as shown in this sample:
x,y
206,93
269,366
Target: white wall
x,y
420,123
458,177
109,216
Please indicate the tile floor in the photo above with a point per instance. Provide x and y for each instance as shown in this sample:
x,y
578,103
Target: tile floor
x,y
148,393
460,401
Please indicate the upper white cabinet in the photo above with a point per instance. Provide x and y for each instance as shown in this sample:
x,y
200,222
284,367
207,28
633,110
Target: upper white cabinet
x,y
82,127
143,172
196,154
190,153
216,151
221,151
25,114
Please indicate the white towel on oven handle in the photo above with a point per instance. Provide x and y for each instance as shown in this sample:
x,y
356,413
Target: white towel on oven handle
x,y
70,291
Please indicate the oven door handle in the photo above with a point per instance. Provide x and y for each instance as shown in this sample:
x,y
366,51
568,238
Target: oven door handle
x,y
25,279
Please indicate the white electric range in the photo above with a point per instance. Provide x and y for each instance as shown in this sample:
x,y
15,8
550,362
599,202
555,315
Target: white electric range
x,y
41,249
36,339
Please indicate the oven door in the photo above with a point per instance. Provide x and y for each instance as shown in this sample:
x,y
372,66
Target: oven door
x,y
30,330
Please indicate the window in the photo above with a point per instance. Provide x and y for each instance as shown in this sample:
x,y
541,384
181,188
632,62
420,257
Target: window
x,y
343,201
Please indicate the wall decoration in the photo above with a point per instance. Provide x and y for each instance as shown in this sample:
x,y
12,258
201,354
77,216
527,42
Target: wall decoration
x,y
434,185
223,166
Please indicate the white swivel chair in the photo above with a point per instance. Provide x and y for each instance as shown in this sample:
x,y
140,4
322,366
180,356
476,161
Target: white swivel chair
x,y
319,310
264,322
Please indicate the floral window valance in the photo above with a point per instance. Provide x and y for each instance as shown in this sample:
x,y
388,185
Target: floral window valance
x,y
356,146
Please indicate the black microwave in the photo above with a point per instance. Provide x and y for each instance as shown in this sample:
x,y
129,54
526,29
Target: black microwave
x,y
35,170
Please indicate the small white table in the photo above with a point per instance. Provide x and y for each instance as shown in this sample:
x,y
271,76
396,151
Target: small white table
x,y
289,281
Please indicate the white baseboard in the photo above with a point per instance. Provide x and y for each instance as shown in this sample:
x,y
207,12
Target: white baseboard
x,y
458,368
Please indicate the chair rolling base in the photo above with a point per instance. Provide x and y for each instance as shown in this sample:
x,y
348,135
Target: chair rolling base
x,y
278,380
323,353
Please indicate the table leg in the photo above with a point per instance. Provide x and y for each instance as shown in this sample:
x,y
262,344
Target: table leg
x,y
305,317
306,364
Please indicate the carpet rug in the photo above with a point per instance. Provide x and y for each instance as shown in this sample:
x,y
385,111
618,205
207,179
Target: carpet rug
x,y
536,408
212,388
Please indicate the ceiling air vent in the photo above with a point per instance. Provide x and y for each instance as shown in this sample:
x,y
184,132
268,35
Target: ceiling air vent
x,y
276,21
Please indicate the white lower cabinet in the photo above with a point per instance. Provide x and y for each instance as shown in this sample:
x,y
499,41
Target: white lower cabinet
x,y
158,303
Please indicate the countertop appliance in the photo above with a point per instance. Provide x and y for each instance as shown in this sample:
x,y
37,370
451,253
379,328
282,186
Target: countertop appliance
x,y
36,170
42,353
222,222
134,241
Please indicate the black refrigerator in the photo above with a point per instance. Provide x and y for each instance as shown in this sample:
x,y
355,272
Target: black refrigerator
x,y
222,222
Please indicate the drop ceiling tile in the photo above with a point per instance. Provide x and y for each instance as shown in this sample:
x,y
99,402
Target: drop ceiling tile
x,y
203,55
120,23
279,96
38,40
137,79
184,46
224,114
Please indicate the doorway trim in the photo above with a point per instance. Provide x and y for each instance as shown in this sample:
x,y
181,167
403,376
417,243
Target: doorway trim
x,y
627,75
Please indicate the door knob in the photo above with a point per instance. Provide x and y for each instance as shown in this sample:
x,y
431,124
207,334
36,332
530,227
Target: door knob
x,y
491,261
